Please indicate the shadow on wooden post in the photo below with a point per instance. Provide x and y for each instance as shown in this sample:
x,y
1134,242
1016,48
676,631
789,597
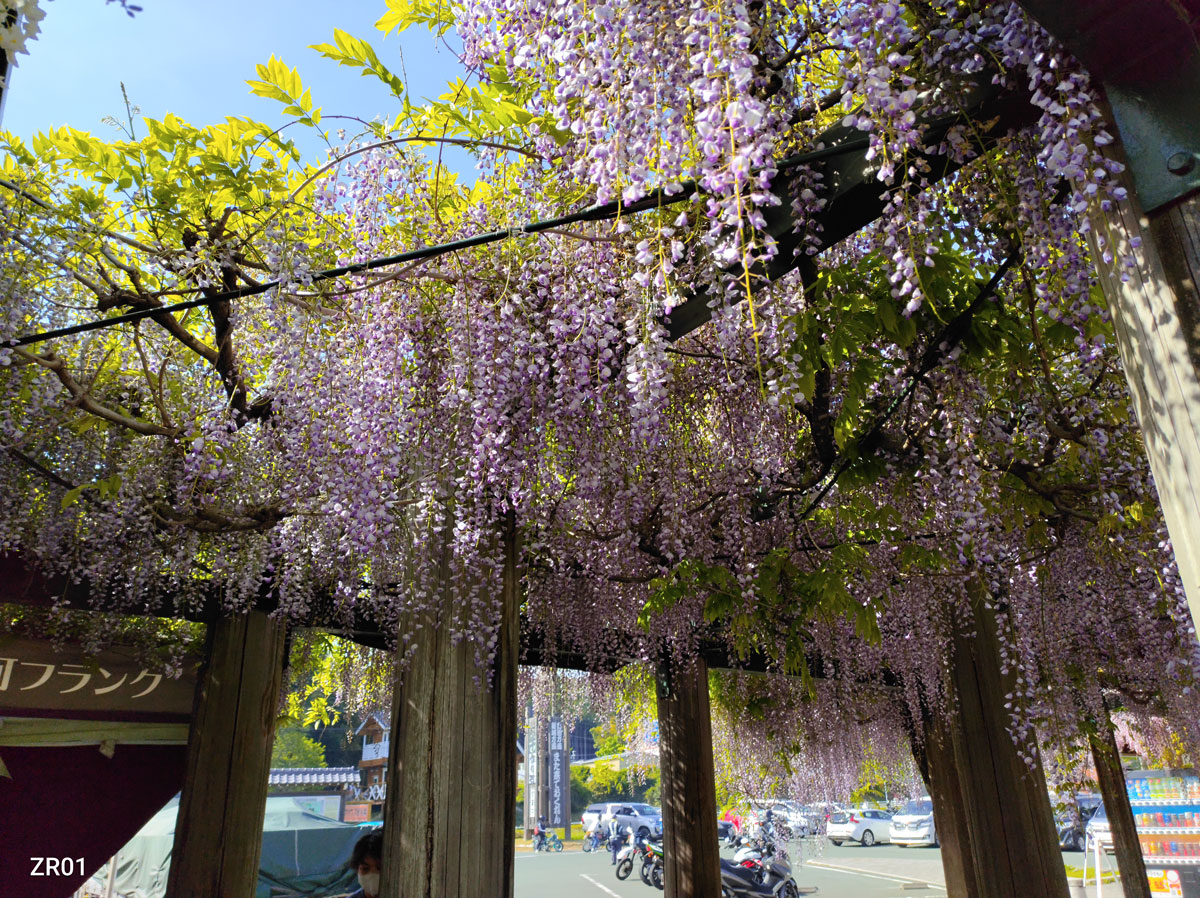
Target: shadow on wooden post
x,y
1009,822
218,836
933,751
689,796
450,811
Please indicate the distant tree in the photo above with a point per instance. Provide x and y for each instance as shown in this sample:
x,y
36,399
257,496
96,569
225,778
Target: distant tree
x,y
581,788
653,793
608,784
608,739
294,749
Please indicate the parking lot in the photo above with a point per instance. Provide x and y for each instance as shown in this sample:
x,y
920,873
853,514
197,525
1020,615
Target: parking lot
x,y
883,871
819,868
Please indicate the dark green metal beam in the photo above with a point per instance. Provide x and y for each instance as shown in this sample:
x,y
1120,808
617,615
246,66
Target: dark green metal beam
x,y
1145,54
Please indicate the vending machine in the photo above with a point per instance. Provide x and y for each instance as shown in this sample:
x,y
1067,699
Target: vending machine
x,y
1166,810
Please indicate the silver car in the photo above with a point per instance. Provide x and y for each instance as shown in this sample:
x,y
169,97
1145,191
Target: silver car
x,y
641,819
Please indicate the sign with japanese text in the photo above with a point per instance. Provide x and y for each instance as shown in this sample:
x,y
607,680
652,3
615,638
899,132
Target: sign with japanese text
x,y
532,781
560,775
36,676
357,812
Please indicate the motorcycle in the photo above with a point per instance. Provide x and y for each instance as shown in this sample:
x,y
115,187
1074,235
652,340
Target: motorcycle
x,y
625,858
652,864
592,841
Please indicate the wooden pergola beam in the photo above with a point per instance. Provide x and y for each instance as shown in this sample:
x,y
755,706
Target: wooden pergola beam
x,y
26,586
854,198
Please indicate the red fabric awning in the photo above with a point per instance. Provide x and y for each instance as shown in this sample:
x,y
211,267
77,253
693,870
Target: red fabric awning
x,y
73,802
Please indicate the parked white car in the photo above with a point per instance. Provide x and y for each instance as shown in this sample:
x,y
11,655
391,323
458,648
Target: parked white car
x,y
592,814
864,825
914,825
642,819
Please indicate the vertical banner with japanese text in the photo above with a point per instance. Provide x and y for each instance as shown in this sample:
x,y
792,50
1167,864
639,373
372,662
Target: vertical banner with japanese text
x,y
532,780
560,775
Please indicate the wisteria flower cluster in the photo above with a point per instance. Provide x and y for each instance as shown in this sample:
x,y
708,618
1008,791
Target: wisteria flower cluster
x,y
821,479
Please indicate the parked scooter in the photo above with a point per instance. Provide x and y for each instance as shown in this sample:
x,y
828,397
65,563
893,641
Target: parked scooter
x,y
755,849
738,881
774,873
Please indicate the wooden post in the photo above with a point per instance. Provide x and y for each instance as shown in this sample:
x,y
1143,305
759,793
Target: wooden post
x,y
1156,317
218,835
1134,883
689,792
1010,829
934,754
450,813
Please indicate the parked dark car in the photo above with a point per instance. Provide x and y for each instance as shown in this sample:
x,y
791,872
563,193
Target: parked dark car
x,y
724,829
1071,818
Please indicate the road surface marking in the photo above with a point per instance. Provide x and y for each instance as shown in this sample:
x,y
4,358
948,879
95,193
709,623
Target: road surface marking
x,y
599,886
904,880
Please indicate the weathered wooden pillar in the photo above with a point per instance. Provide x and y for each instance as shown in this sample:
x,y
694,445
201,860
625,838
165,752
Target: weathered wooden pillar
x,y
218,835
1145,57
1134,882
933,750
1009,829
1156,317
450,812
689,792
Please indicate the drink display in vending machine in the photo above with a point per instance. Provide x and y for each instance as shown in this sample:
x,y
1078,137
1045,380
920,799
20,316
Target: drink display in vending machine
x,y
1166,812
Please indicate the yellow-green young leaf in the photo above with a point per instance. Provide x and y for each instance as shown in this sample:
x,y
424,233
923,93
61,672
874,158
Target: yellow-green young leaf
x,y
276,74
350,51
436,15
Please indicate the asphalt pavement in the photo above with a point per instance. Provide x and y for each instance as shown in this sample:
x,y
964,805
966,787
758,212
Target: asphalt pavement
x,y
819,868
882,871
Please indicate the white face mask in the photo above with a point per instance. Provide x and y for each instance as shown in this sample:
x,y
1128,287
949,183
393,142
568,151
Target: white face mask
x,y
369,883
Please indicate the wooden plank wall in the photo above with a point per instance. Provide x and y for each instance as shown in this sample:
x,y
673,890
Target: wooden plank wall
x,y
218,836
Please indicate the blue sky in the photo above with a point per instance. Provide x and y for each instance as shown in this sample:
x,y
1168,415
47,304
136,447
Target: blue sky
x,y
193,58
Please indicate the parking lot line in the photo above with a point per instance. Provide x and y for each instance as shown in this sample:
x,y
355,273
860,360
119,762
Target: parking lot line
x,y
903,880
602,888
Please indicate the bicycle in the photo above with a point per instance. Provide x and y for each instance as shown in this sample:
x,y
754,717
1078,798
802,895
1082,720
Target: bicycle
x,y
551,842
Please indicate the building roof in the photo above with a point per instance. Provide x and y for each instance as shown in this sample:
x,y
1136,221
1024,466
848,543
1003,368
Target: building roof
x,y
314,776
382,718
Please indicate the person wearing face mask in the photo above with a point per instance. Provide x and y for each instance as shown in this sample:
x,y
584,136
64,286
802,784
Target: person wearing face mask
x,y
366,861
